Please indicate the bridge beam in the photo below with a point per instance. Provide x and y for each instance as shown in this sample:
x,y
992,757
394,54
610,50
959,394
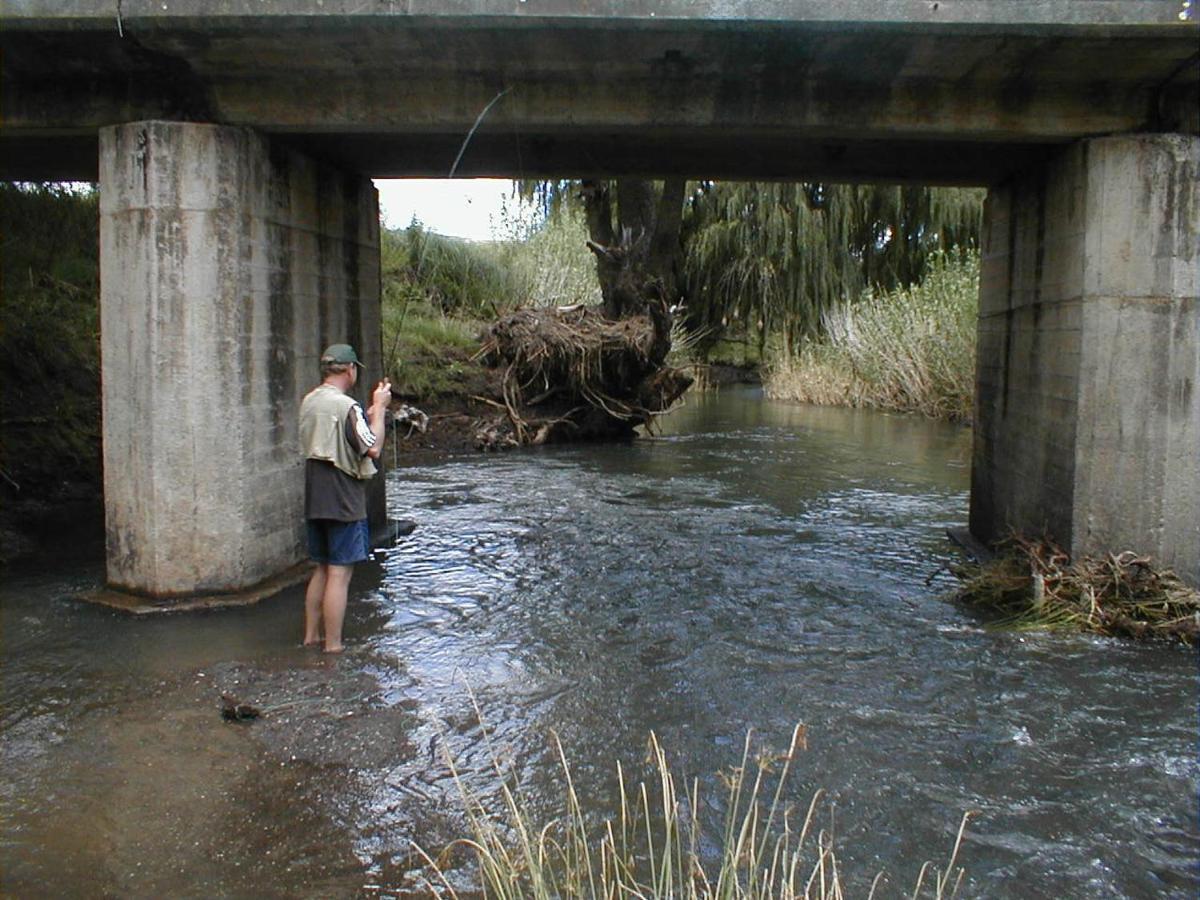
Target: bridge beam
x,y
226,265
1088,378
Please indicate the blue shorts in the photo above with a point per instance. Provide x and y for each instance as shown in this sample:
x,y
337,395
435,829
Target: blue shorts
x,y
338,543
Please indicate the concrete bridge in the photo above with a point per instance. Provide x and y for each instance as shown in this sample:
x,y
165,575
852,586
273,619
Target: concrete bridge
x,y
234,141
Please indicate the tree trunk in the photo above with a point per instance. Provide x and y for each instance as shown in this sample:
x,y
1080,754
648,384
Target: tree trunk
x,y
637,262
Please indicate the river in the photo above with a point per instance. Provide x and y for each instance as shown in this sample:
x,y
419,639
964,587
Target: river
x,y
754,566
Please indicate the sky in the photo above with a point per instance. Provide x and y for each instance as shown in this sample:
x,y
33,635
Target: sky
x,y
462,207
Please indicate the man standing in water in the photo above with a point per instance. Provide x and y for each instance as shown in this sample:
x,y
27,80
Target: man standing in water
x,y
341,444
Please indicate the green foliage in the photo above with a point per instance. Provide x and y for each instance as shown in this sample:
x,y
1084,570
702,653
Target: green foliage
x,y
910,349
776,256
543,262
551,265
453,276
429,354
49,335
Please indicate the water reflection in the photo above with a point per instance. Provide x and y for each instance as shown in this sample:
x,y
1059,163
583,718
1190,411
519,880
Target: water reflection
x,y
755,565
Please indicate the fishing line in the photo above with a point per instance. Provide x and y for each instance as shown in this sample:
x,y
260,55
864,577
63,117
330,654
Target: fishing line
x,y
471,133
425,244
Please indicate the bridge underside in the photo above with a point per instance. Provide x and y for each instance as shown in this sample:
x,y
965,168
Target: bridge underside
x,y
239,231
950,93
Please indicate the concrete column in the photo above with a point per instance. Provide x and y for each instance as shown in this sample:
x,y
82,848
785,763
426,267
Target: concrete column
x,y
226,265
1088,381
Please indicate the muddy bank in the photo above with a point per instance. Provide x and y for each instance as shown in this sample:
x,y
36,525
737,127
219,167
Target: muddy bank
x,y
719,375
52,518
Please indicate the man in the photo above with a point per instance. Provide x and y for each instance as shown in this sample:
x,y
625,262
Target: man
x,y
340,443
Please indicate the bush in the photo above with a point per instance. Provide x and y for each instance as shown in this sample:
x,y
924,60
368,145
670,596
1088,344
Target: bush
x,y
449,275
551,264
49,335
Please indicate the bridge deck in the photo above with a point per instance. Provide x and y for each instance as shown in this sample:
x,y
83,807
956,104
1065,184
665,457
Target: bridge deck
x,y
952,91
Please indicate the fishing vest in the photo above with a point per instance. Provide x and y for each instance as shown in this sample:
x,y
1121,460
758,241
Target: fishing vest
x,y
323,416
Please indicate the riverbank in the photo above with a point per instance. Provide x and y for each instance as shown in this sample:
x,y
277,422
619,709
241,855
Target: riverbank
x,y
50,469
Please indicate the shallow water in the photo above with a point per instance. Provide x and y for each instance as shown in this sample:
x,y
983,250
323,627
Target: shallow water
x,y
755,566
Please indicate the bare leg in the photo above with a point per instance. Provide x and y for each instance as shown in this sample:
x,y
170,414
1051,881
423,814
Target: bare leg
x,y
312,606
337,587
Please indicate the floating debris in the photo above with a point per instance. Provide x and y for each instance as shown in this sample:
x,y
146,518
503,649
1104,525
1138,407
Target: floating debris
x,y
1032,584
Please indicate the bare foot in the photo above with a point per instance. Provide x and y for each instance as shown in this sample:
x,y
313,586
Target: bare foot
x,y
338,649
316,643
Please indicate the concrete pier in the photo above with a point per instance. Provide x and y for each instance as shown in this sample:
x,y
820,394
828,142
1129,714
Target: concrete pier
x,y
227,263
1088,380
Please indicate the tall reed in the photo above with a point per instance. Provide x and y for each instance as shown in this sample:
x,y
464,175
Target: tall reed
x,y
650,847
550,263
911,349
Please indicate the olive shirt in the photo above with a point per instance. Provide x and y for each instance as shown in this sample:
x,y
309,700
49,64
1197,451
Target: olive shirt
x,y
329,493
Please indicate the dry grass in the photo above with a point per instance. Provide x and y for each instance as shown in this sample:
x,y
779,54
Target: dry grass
x,y
649,848
911,350
1034,585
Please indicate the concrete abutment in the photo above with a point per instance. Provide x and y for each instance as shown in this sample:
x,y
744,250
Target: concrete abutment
x,y
227,263
1088,378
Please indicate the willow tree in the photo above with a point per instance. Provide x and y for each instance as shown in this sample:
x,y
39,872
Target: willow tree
x,y
776,256
633,230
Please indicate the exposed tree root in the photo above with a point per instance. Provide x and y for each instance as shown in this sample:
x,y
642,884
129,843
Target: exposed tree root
x,y
573,374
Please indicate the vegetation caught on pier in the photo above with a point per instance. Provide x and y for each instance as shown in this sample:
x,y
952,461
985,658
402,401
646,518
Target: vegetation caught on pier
x,y
1033,584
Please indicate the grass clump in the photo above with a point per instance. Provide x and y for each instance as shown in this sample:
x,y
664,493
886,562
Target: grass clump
x,y
444,274
435,291
429,355
651,847
1032,584
911,350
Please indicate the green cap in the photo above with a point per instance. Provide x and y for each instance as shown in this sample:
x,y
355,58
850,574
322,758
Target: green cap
x,y
340,353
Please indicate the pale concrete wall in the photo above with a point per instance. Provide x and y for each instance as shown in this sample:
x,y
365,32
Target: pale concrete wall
x,y
226,265
1087,408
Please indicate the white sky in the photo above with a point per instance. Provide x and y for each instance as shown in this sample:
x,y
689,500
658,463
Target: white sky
x,y
462,207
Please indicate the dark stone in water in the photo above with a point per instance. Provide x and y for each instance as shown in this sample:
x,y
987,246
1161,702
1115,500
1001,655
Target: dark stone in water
x,y
234,710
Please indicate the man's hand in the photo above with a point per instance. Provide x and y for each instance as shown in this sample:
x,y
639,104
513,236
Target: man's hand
x,y
381,397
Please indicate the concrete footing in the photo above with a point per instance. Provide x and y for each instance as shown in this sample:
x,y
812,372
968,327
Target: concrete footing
x,y
1088,381
226,265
